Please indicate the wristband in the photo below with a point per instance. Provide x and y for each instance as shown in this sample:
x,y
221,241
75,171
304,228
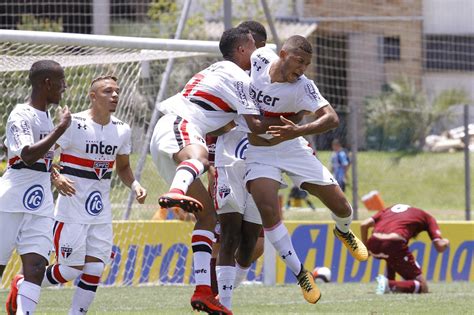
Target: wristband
x,y
135,184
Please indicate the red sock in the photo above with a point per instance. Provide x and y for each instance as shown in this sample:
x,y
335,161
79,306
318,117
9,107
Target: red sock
x,y
405,286
214,287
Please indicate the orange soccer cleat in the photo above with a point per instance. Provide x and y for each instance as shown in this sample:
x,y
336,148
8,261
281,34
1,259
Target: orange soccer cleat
x,y
188,204
203,300
11,305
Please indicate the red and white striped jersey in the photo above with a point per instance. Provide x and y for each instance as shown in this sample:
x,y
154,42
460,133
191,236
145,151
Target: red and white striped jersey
x,y
213,97
88,154
285,99
27,188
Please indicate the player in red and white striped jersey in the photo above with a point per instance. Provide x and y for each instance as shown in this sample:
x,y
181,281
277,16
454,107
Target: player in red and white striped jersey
x,y
26,203
95,143
210,100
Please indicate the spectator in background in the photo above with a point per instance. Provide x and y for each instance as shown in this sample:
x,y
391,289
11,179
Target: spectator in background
x,y
393,229
339,163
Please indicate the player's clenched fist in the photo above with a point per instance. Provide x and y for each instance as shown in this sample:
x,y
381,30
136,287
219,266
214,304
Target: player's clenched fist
x,y
64,117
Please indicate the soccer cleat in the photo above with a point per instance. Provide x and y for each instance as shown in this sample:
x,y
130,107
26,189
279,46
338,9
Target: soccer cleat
x,y
204,301
311,292
11,305
382,285
353,244
188,204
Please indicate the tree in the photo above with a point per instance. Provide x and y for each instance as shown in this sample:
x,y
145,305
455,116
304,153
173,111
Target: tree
x,y
405,112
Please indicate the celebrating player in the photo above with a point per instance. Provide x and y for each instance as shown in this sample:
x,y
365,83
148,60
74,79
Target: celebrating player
x,y
90,148
280,88
240,222
26,202
393,229
208,102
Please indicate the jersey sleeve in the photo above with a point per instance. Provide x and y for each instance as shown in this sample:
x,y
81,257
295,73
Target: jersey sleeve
x,y
126,147
309,97
378,215
240,95
19,133
432,227
65,139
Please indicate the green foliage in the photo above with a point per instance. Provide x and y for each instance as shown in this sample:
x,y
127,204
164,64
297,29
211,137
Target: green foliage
x,y
406,114
28,22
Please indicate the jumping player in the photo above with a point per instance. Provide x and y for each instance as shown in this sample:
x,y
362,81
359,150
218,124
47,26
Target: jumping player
x,y
26,202
280,88
208,102
95,143
393,229
240,222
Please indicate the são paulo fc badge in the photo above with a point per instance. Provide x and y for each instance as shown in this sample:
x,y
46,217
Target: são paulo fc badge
x,y
33,197
223,191
94,205
66,250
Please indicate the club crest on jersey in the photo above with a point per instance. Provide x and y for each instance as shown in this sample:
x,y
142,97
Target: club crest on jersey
x,y
94,204
100,168
33,197
48,160
223,191
66,251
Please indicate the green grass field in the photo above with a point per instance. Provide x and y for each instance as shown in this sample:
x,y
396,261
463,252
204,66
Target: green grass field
x,y
431,181
445,298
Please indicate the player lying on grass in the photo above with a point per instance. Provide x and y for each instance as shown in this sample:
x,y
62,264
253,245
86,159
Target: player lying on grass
x,y
95,143
26,203
393,229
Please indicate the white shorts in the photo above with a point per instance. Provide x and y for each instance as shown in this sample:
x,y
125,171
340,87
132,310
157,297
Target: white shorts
x,y
231,196
172,133
294,157
25,232
73,241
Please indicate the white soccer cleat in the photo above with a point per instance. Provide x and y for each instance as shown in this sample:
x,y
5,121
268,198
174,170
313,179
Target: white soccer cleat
x,y
382,285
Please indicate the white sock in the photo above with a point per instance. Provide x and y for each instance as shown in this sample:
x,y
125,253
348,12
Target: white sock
x,y
280,239
28,297
186,172
240,274
342,224
56,274
201,243
86,288
225,283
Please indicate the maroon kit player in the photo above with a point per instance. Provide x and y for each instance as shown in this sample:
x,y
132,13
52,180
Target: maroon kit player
x,y
393,229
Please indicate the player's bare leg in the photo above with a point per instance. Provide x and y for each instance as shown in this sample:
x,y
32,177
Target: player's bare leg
x,y
265,194
231,224
25,290
250,249
333,197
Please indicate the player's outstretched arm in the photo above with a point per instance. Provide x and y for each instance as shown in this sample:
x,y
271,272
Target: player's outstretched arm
x,y
326,120
125,173
364,229
32,153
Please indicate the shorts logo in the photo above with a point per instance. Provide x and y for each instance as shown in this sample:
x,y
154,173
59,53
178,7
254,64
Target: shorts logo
x,y
100,168
224,191
33,197
94,205
66,251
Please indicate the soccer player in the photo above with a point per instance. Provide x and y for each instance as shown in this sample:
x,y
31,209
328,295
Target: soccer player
x,y
95,143
393,229
26,202
280,88
208,102
339,163
240,222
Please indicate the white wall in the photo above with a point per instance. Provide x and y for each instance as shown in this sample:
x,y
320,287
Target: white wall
x,y
448,16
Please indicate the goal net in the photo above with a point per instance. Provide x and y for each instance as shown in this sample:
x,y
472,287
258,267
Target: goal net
x,y
139,72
